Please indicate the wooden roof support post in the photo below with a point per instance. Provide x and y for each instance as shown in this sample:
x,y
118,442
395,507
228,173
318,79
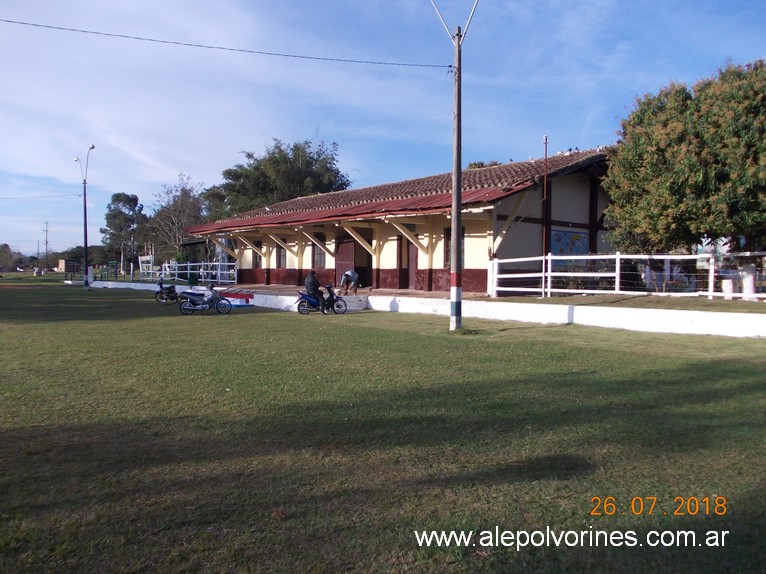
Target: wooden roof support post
x,y
311,237
223,246
510,221
359,239
249,244
410,236
283,245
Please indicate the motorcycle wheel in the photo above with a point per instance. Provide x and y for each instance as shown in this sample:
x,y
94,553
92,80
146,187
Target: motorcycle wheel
x,y
186,308
159,296
303,307
339,307
223,306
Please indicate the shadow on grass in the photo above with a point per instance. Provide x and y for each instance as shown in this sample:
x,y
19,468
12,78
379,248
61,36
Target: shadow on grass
x,y
669,413
531,469
64,303
272,492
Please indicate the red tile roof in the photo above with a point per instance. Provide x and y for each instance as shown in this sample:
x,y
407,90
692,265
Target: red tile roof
x,y
431,194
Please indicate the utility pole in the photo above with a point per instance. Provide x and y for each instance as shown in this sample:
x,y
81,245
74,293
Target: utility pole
x,y
456,230
46,248
456,244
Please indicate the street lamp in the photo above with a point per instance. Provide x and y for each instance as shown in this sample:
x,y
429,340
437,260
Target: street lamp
x,y
85,212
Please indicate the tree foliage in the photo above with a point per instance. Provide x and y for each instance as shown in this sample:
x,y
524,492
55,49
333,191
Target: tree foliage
x,y
6,257
480,164
283,172
125,224
691,165
96,254
178,207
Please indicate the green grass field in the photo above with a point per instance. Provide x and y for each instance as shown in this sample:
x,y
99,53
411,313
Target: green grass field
x,y
135,439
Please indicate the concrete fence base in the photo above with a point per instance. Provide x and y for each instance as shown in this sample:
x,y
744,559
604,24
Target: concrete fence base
x,y
647,320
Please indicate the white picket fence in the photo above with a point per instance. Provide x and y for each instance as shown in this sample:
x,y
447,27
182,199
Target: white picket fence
x,y
200,272
734,275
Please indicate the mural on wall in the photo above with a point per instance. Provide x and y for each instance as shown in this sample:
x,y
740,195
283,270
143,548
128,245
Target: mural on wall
x,y
569,242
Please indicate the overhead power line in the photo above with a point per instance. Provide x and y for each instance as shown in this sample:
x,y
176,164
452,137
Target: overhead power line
x,y
224,48
42,196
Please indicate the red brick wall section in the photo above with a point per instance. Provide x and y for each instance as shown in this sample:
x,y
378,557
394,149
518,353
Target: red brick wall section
x,y
250,276
285,277
388,279
474,280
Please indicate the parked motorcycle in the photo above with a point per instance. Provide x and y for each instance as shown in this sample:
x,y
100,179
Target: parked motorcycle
x,y
192,301
307,303
165,294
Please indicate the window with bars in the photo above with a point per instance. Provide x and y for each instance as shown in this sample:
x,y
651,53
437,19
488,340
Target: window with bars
x,y
448,247
257,259
318,257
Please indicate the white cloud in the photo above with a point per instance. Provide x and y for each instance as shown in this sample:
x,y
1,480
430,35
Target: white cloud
x,y
155,110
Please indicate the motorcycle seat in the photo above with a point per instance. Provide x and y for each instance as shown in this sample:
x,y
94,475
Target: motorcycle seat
x,y
193,294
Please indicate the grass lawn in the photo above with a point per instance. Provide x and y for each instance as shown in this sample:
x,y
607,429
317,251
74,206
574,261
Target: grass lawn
x,y
135,439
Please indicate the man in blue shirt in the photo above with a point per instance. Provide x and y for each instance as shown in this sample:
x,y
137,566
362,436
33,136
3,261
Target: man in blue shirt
x,y
349,281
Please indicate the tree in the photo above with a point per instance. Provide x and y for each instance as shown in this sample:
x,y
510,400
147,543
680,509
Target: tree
x,y
480,164
731,117
96,254
124,222
650,200
283,172
178,207
6,257
689,167
10,260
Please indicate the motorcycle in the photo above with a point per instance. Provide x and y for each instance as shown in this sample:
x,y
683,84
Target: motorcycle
x,y
307,303
192,301
165,294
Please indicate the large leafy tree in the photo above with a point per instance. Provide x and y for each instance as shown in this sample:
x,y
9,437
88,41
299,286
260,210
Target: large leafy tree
x,y
10,259
691,165
6,257
178,207
96,254
125,222
731,119
283,172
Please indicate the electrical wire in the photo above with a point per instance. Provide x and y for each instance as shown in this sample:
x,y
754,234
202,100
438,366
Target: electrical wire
x,y
43,196
224,48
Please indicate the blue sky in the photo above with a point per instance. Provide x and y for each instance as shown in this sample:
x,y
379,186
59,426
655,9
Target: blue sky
x,y
568,70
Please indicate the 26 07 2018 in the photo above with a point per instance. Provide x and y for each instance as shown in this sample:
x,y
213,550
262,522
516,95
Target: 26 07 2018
x,y
648,505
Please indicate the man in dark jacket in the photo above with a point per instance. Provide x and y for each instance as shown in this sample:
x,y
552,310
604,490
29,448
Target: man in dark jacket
x,y
312,288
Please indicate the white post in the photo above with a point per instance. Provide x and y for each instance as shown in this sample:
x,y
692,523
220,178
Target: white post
x,y
547,266
492,278
711,278
617,276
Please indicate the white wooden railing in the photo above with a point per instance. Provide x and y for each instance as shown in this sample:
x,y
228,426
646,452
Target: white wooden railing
x,y
656,274
199,272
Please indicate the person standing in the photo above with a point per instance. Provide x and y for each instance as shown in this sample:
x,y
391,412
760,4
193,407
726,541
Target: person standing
x,y
312,288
